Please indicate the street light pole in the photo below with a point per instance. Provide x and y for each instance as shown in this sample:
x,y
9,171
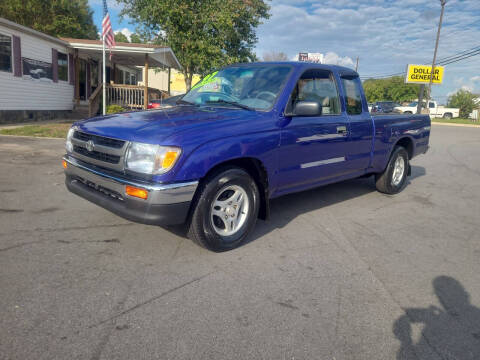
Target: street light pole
x,y
442,2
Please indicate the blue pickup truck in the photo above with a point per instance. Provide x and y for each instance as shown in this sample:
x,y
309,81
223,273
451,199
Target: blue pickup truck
x,y
243,135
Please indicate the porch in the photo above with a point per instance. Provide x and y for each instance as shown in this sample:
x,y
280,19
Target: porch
x,y
123,73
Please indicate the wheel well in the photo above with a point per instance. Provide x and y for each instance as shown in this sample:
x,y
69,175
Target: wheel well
x,y
257,171
448,113
407,143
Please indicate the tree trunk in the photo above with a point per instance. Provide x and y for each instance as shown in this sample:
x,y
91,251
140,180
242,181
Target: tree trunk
x,y
188,78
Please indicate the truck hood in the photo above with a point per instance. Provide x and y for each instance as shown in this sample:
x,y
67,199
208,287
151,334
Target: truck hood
x,y
154,126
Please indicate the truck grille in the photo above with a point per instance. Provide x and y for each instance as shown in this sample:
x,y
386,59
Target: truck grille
x,y
112,159
100,140
100,151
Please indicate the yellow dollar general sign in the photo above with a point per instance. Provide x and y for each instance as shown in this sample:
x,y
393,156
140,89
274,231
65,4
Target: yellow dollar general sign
x,y
420,74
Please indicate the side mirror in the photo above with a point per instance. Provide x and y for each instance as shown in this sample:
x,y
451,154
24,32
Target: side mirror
x,y
307,108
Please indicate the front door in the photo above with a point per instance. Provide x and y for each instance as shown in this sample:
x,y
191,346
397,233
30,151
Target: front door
x,y
313,147
82,79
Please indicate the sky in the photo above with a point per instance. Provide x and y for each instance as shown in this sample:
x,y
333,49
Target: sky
x,y
386,35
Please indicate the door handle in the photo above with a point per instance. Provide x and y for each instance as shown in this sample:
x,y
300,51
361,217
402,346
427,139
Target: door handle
x,y
342,130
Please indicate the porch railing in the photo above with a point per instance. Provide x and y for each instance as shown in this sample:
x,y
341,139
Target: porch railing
x,y
127,96
94,101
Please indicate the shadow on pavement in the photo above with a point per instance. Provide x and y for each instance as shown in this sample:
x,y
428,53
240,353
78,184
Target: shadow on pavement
x,y
286,208
451,331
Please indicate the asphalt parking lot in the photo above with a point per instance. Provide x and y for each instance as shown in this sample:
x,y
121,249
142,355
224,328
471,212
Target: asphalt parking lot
x,y
340,272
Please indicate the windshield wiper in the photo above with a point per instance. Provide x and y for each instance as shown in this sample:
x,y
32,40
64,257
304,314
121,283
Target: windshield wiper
x,y
185,102
234,103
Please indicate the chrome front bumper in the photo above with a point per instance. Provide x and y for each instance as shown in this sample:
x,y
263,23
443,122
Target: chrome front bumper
x,y
166,204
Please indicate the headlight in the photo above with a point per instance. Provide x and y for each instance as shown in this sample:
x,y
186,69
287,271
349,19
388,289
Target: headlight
x,y
68,144
151,159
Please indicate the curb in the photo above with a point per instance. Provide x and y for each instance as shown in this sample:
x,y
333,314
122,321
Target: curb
x,y
31,137
453,124
17,125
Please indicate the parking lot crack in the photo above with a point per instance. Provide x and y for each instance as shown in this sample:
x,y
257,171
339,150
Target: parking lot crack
x,y
139,305
22,244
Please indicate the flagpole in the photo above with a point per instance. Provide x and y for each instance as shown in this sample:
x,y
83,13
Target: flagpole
x,y
104,78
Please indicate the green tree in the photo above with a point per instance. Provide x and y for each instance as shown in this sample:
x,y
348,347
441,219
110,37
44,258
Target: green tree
x,y
62,18
464,100
136,39
390,89
203,34
120,37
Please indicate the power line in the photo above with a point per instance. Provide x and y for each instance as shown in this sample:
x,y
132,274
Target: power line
x,y
459,53
460,57
465,54
453,57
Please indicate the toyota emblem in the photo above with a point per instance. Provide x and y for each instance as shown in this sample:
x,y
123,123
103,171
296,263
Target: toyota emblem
x,y
90,145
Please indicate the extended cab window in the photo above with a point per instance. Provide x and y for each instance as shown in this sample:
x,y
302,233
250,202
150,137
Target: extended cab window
x,y
353,95
318,86
5,53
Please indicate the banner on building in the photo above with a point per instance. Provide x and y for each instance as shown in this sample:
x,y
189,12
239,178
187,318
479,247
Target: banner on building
x,y
36,69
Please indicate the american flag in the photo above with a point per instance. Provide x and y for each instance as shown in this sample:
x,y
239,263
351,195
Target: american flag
x,y
107,32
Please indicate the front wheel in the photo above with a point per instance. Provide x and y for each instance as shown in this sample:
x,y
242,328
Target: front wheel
x,y
392,180
225,210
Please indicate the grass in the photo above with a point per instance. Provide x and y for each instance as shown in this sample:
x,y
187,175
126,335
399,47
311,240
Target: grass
x,y
57,130
456,121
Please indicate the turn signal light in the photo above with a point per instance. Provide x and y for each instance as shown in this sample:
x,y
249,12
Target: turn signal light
x,y
136,192
169,159
64,164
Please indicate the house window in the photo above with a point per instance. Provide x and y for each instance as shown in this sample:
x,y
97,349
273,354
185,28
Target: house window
x,y
62,66
5,53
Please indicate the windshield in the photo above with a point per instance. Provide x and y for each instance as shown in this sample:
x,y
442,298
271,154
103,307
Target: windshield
x,y
255,87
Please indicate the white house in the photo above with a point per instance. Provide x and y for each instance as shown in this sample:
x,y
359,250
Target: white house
x,y
45,77
34,73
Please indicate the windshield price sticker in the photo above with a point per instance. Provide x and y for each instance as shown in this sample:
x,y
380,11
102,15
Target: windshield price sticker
x,y
206,80
420,74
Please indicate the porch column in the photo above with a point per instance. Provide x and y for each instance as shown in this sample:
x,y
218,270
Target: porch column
x,y
88,83
114,74
77,78
169,79
145,93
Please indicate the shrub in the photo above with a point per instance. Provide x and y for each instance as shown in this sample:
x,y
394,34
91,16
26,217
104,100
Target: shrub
x,y
113,109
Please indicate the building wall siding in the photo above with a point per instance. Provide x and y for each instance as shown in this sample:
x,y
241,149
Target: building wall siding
x,y
19,93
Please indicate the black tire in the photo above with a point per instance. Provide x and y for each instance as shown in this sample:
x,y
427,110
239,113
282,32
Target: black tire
x,y
384,181
201,230
408,112
447,116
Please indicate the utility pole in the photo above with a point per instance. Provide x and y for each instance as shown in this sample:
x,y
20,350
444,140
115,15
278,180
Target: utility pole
x,y
356,66
442,2
420,99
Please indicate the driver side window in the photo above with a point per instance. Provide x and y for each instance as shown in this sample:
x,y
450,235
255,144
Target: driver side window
x,y
319,86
